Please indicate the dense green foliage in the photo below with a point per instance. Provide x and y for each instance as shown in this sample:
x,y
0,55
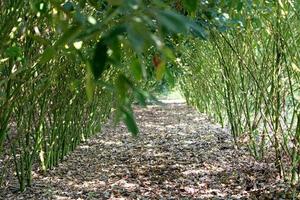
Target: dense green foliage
x,y
64,65
44,109
249,77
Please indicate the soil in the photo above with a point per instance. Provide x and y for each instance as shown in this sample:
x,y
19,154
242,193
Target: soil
x,y
179,154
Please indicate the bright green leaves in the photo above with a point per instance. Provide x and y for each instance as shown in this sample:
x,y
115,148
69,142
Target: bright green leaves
x,y
176,23
138,36
141,97
126,92
160,71
115,51
136,69
13,52
119,38
170,78
239,6
107,52
123,84
129,120
124,88
190,5
98,63
108,49
173,22
198,31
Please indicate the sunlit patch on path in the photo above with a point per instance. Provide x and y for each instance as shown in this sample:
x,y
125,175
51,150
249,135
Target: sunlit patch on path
x,y
179,154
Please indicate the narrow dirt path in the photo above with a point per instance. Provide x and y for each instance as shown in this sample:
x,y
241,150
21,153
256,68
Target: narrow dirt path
x,y
180,154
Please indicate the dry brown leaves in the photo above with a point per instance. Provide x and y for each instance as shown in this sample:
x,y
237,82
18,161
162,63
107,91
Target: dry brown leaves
x,y
180,154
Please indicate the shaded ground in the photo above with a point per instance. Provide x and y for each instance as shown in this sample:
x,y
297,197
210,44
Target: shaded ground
x,y
180,154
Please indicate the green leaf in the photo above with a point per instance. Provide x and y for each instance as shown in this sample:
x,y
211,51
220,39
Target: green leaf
x,y
13,52
68,36
168,53
141,96
98,64
111,38
160,70
190,5
130,122
239,6
47,55
170,79
114,33
115,46
122,85
138,36
136,69
39,39
173,22
115,2
198,30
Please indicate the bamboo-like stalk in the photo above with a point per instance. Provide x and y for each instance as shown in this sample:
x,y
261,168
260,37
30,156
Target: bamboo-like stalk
x,y
257,81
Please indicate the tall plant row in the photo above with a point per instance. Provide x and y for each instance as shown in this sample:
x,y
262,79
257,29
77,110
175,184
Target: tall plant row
x,y
45,112
64,65
249,78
